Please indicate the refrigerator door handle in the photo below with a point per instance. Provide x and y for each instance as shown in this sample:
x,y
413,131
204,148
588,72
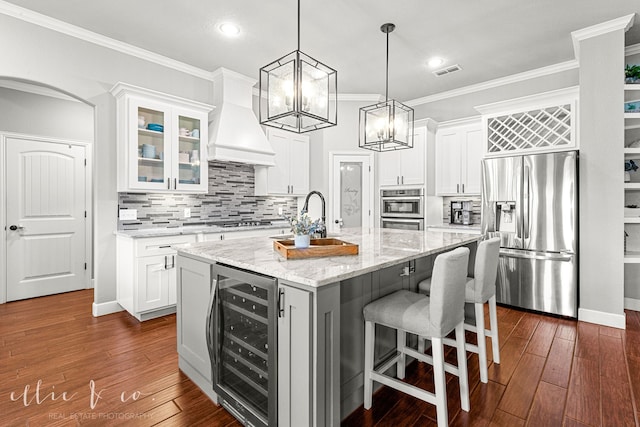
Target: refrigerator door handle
x,y
551,256
525,198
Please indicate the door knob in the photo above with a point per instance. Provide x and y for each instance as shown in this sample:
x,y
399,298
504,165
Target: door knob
x,y
339,222
16,227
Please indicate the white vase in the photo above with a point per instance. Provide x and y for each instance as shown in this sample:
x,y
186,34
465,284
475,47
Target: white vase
x,y
302,241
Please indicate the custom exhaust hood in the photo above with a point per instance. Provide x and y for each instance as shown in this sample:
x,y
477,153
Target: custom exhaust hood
x,y
234,132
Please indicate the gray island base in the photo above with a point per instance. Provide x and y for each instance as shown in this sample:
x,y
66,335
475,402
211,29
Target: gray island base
x,y
320,329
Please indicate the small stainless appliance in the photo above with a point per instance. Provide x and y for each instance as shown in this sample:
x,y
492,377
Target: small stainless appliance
x,y
461,212
242,342
402,208
531,203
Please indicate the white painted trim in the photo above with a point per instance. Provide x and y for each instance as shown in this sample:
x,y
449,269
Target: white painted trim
x,y
50,23
105,308
230,74
89,184
466,121
622,23
602,318
363,97
634,49
372,183
3,210
515,78
121,88
36,89
538,100
632,304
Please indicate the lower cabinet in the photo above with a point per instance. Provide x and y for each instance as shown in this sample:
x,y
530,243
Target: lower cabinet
x,y
193,300
294,357
146,274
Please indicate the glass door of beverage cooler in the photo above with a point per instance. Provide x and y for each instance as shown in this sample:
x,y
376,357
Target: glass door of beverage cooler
x,y
242,336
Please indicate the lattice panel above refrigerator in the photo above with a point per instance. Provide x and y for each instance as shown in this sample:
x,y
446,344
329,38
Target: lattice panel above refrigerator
x,y
536,129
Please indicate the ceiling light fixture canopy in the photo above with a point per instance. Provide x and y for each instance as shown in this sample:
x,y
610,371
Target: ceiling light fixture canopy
x,y
386,126
298,93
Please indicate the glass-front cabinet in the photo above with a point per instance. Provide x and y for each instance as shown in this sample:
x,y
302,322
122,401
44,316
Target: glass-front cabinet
x,y
161,141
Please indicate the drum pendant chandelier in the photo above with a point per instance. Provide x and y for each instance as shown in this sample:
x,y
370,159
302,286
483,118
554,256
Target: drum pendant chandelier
x,y
298,93
386,126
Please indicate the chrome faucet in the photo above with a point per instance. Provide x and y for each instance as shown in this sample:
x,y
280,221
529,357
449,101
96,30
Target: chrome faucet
x,y
305,208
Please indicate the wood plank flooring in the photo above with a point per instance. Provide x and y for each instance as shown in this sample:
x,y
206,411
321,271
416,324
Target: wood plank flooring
x,y
60,366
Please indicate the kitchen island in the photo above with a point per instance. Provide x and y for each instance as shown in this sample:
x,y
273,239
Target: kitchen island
x,y
320,330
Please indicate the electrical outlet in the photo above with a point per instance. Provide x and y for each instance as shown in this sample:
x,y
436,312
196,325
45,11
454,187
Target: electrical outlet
x,y
187,212
279,210
128,214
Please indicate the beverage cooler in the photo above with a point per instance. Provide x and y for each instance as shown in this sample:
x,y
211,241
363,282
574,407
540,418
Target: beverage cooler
x,y
242,342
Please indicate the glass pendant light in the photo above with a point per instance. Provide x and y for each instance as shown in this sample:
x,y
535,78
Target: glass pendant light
x,y
298,93
387,125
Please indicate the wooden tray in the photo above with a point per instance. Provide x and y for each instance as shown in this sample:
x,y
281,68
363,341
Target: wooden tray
x,y
318,248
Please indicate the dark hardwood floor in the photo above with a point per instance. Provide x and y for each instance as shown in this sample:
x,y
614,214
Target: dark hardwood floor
x,y
60,366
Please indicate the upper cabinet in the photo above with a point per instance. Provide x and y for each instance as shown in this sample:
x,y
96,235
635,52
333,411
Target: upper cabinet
x,y
458,157
290,175
404,167
162,142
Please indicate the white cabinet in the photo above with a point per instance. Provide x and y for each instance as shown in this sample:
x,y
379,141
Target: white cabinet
x,y
290,175
194,297
404,167
458,157
161,142
146,275
294,357
239,234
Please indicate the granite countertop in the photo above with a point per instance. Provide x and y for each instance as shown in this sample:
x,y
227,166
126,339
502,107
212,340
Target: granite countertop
x,y
196,229
475,227
378,248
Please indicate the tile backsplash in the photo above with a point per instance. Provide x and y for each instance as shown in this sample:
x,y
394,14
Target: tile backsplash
x,y
476,210
230,199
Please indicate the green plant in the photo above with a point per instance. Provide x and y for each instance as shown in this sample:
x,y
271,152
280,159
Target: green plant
x,y
632,71
304,225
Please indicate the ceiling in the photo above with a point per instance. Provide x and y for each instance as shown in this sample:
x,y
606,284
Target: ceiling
x,y
489,39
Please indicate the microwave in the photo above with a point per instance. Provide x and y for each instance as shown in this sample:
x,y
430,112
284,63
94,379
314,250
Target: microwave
x,y
402,203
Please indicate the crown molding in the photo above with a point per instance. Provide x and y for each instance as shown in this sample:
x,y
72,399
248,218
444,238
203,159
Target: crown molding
x,y
363,97
37,89
98,39
622,23
515,78
465,121
525,102
230,74
634,49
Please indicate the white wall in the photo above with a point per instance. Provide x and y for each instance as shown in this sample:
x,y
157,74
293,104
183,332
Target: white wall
x,y
33,114
89,71
601,179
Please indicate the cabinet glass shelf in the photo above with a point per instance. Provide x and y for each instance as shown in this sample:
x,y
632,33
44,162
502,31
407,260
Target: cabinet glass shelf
x,y
632,257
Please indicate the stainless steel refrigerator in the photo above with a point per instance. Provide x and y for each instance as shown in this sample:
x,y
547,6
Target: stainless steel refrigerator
x,y
531,203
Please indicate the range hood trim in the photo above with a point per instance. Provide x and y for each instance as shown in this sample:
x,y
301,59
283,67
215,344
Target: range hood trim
x,y
235,134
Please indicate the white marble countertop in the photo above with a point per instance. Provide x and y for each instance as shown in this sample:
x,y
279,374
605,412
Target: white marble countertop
x,y
378,248
195,229
461,227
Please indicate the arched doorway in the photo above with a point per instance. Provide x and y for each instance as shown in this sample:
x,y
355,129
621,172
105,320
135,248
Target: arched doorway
x,y
46,146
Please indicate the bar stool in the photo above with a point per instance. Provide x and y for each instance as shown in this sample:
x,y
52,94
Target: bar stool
x,y
433,317
480,289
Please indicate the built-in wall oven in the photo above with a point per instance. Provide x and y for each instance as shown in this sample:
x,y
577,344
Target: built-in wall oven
x,y
402,208
242,342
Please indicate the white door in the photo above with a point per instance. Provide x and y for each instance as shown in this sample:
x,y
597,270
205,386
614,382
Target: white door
x,y
45,190
351,191
154,281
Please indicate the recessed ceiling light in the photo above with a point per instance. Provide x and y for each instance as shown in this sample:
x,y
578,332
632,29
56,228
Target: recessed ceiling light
x,y
435,62
229,29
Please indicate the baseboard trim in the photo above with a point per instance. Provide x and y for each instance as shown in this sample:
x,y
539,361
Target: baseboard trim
x,y
602,318
105,308
632,304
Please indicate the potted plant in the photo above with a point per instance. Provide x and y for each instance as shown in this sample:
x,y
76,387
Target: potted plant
x,y
302,227
632,73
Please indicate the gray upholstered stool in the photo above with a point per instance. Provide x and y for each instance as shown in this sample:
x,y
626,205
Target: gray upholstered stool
x,y
480,289
433,317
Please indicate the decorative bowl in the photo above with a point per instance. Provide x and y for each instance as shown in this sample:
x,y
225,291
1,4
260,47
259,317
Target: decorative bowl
x,y
156,127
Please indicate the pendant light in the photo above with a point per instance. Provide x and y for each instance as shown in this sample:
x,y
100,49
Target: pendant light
x,y
387,125
298,93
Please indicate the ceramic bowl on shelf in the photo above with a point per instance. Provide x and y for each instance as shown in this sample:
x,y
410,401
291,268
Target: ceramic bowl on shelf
x,y
142,179
156,180
156,127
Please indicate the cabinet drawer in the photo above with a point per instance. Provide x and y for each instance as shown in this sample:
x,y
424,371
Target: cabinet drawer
x,y
161,245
